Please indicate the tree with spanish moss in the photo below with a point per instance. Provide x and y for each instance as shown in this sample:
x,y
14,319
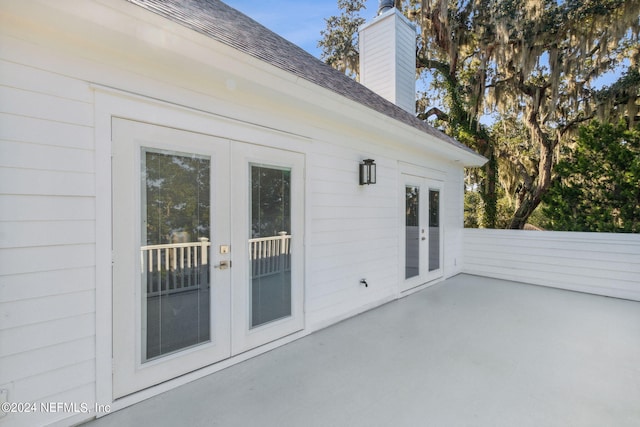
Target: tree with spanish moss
x,y
339,41
533,62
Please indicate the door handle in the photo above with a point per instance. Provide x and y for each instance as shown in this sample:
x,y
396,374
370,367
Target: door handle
x,y
424,238
223,265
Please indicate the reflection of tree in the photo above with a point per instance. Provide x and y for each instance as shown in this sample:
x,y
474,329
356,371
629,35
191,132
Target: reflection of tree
x,y
434,208
270,201
178,195
412,206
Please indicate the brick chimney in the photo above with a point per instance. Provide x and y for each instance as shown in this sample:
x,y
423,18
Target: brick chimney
x,y
388,56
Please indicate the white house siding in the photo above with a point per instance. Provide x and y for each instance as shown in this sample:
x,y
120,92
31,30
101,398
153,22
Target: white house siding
x,y
377,48
352,234
598,263
452,219
47,237
54,283
388,59
353,231
406,65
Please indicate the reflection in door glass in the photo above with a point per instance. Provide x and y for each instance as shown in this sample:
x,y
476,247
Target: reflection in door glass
x,y
434,229
270,244
412,231
174,252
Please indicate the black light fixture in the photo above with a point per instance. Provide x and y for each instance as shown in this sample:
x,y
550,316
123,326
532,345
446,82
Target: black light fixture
x,y
368,172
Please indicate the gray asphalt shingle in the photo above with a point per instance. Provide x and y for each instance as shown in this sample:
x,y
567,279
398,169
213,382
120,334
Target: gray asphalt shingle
x,y
227,25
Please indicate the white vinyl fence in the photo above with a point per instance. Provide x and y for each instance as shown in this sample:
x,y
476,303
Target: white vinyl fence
x,y
270,255
178,267
598,263
175,267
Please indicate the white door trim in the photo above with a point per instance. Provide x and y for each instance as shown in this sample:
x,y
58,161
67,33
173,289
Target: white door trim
x,y
130,373
243,156
420,177
109,103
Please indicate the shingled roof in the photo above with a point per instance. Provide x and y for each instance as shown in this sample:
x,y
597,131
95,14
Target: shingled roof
x,y
227,25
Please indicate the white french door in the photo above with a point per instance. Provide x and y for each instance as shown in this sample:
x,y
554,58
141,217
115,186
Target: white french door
x,y
267,230
421,236
207,250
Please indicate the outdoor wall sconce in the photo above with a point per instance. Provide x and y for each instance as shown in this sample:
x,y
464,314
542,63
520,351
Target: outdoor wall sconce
x,y
368,172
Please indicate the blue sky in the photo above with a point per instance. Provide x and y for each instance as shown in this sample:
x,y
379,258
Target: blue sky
x,y
298,21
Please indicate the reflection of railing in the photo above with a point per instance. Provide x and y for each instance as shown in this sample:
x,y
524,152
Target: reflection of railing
x,y
175,267
270,255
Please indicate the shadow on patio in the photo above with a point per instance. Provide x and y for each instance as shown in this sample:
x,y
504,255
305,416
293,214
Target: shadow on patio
x,y
470,351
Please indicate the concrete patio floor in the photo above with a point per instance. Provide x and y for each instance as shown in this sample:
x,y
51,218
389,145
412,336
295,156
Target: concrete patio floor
x,y
470,351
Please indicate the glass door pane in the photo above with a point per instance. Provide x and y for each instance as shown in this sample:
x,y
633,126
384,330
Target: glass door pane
x,y
174,251
270,244
170,208
434,229
412,231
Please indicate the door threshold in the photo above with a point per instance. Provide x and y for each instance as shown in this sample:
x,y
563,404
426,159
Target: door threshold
x,y
425,285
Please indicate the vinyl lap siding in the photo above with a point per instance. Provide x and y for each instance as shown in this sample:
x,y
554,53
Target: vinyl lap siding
x,y
452,213
599,263
352,234
387,60
48,220
406,66
47,237
377,55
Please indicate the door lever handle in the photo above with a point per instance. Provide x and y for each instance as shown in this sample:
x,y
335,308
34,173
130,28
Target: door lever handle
x,y
223,265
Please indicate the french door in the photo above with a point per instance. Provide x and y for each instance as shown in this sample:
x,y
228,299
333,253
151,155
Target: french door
x,y
207,250
421,235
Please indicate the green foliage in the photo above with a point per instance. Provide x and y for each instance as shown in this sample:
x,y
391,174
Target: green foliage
x,y
472,209
339,41
538,218
534,62
620,97
475,210
176,189
598,184
270,201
